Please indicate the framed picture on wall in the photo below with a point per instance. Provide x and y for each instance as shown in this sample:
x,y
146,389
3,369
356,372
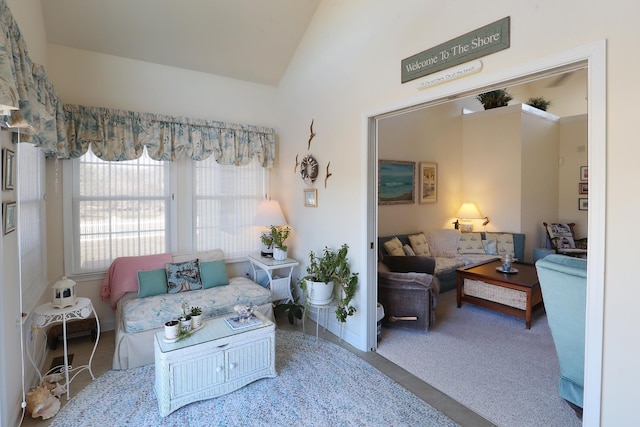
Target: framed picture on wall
x,y
311,198
584,173
583,204
583,188
396,182
428,191
8,161
9,215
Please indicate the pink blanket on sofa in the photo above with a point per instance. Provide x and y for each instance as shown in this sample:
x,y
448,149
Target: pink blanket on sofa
x,y
122,276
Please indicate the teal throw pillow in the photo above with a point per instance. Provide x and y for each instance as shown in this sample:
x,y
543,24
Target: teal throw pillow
x,y
152,282
183,276
213,273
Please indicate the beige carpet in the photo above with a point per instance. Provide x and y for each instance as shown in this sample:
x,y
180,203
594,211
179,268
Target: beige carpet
x,y
487,361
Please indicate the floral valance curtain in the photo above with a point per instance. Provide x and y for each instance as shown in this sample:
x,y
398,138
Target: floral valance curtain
x,y
40,109
67,131
122,135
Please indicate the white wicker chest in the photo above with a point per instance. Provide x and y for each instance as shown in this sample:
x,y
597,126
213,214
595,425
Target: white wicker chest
x,y
214,361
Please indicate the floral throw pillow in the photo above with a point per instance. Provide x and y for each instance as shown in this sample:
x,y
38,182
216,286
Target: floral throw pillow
x,y
183,276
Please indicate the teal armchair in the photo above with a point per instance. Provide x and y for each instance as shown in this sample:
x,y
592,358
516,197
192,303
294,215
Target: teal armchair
x,y
563,280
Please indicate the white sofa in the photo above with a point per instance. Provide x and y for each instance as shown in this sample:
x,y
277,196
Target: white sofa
x,y
139,318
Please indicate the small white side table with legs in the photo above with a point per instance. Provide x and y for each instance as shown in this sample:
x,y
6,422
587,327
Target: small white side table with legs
x,y
280,286
46,315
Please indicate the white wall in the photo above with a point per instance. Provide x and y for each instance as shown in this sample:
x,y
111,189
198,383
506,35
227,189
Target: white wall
x,y
492,171
341,74
573,155
430,135
28,15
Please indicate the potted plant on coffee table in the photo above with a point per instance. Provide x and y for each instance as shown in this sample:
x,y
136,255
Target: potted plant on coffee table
x,y
196,317
323,274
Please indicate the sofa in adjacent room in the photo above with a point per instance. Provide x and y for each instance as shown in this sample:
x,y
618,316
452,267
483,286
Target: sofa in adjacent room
x,y
452,249
144,295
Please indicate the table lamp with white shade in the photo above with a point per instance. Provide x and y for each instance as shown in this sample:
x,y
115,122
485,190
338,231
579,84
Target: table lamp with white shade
x,y
467,212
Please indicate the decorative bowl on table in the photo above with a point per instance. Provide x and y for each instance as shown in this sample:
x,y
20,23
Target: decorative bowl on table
x,y
244,312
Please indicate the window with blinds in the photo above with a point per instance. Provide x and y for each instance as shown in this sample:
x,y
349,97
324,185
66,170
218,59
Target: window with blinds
x,y
118,209
31,220
226,201
125,209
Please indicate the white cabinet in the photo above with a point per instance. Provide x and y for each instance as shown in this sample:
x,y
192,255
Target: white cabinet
x,y
206,368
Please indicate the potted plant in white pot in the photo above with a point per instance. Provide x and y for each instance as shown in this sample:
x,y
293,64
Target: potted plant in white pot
x,y
323,274
276,239
196,317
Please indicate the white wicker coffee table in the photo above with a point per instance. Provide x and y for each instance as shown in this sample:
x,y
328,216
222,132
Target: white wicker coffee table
x,y
213,361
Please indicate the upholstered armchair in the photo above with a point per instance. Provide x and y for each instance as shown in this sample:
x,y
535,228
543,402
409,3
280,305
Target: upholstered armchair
x,y
563,239
408,291
563,281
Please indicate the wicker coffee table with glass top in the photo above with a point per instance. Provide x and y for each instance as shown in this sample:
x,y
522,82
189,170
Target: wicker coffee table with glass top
x,y
213,361
516,293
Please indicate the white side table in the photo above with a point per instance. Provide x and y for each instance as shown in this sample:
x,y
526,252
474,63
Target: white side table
x,y
280,286
46,315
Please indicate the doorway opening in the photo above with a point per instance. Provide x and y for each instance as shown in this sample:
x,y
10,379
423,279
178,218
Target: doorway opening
x,y
554,68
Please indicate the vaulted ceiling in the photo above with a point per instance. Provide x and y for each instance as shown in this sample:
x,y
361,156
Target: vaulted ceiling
x,y
251,40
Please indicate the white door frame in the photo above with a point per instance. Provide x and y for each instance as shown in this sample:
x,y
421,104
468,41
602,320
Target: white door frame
x,y
594,55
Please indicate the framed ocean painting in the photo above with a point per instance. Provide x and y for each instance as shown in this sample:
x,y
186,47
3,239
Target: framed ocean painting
x,y
396,182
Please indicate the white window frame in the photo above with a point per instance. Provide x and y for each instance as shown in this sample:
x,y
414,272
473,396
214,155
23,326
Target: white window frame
x,y
71,223
181,214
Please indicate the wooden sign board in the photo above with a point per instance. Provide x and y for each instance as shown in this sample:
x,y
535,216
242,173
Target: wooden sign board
x,y
475,44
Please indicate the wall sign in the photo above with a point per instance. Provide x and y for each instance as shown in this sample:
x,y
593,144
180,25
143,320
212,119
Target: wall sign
x,y
475,44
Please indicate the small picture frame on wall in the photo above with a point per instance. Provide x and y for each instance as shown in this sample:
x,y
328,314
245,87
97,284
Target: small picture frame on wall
x,y
9,215
583,188
584,173
583,204
428,182
8,162
311,198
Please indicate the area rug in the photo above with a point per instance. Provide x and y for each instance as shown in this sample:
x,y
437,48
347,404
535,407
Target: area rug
x,y
487,361
318,384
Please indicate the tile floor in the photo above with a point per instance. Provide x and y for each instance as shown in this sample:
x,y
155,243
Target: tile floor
x,y
81,348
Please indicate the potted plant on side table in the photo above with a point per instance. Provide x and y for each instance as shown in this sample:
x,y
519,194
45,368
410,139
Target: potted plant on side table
x,y
276,239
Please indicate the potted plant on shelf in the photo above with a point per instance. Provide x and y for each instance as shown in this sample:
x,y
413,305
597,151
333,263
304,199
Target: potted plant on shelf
x,y
323,273
539,102
494,98
276,239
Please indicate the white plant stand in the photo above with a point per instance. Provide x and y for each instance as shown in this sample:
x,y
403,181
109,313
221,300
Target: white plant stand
x,y
319,309
213,361
46,315
280,285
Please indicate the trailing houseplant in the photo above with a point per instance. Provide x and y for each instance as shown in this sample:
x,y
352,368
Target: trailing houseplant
x,y
494,98
331,269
